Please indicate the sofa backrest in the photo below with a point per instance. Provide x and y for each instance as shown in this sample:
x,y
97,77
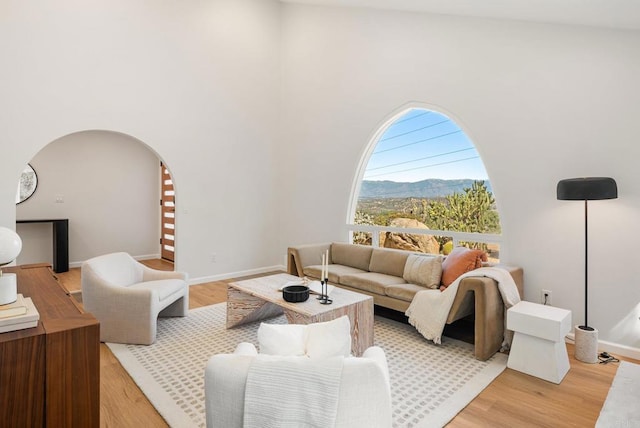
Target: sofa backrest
x,y
388,261
357,256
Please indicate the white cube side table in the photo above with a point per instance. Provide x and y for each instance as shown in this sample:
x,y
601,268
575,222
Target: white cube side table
x,y
538,346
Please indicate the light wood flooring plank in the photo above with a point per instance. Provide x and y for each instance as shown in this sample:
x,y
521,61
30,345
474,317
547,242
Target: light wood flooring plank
x,y
122,403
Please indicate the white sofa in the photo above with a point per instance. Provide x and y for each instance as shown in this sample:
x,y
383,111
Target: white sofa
x,y
127,297
304,375
364,392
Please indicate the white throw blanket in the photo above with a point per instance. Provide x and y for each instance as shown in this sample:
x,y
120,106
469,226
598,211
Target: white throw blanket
x,y
295,392
429,309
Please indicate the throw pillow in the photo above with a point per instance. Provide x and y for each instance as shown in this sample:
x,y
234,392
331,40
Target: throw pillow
x,y
329,339
459,261
282,339
424,270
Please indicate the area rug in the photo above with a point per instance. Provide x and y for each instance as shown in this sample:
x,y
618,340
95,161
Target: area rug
x,y
621,408
430,383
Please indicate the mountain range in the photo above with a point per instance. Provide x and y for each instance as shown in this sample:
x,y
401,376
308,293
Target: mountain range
x,y
429,188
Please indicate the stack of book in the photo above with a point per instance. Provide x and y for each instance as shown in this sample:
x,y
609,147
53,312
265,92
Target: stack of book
x,y
18,315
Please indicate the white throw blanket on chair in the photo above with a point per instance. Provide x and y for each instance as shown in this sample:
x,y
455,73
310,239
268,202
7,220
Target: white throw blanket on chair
x,y
292,392
429,309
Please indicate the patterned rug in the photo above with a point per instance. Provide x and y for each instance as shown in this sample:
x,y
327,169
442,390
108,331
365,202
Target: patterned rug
x,y
621,408
430,383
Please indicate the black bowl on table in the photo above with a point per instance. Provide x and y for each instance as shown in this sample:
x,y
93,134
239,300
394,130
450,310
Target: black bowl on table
x,y
295,293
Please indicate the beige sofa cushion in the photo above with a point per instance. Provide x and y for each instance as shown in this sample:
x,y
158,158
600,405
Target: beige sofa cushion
x,y
403,291
372,282
424,270
357,256
387,261
335,272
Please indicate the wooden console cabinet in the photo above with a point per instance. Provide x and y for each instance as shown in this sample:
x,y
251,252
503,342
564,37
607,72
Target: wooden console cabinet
x,y
50,374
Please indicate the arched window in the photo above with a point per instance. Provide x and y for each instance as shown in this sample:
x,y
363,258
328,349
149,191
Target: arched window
x,y
423,172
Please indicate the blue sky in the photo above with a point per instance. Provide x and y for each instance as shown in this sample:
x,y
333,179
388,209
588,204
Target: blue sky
x,y
424,144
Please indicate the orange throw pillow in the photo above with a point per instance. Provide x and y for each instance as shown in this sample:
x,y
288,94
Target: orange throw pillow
x,y
459,261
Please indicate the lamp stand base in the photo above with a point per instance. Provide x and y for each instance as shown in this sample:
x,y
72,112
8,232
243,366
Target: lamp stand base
x,y
8,288
586,344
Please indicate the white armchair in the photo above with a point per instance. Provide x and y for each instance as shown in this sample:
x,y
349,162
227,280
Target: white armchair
x,y
363,390
127,297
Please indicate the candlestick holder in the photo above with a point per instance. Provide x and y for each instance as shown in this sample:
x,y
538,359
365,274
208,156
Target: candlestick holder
x,y
324,294
321,295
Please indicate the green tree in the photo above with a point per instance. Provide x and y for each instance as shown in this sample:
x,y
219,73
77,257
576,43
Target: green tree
x,y
470,211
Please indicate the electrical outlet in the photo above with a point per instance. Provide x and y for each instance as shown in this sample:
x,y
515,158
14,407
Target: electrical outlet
x,y
214,257
545,297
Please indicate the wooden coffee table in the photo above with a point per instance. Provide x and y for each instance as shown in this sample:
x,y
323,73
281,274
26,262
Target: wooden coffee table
x,y
259,298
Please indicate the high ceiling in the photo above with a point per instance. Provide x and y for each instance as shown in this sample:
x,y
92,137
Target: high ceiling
x,y
621,14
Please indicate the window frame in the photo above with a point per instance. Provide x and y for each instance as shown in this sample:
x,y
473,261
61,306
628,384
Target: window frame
x,y
458,237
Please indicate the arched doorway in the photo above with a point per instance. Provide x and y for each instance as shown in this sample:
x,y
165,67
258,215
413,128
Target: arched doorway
x,y
106,183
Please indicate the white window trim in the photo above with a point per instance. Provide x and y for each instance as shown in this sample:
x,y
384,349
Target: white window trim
x,y
487,238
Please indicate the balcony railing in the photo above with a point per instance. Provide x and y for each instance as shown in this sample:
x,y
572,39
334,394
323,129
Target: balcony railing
x,y
492,240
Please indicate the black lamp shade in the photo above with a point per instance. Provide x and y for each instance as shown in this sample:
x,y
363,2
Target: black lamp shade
x,y
587,189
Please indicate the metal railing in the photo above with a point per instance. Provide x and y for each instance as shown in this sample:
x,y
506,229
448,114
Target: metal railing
x,y
457,237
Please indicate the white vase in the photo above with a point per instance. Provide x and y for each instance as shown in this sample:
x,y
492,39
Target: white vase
x,y
8,288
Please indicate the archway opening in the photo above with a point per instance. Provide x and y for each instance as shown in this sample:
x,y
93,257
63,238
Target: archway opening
x,y
107,184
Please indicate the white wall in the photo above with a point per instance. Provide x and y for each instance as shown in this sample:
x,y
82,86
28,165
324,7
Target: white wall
x,y
196,81
109,185
264,144
540,102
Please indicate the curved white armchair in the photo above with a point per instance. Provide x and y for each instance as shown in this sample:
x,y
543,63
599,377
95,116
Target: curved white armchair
x,y
364,398
127,297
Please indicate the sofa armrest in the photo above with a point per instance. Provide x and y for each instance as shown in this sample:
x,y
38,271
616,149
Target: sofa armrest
x,y
101,297
305,255
489,313
518,277
225,378
377,354
246,348
149,274
488,307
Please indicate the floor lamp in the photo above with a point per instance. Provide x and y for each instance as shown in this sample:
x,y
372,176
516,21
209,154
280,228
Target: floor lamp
x,y
586,189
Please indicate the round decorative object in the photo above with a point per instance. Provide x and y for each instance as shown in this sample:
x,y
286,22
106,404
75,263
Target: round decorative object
x,y
295,293
10,245
27,184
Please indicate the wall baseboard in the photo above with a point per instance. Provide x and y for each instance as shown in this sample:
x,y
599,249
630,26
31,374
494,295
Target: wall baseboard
x,y
239,274
143,257
612,348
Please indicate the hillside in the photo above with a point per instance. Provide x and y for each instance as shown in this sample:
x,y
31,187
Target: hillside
x,y
430,188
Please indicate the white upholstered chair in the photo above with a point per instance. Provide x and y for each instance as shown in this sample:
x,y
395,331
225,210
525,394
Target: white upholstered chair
x,y
363,389
127,297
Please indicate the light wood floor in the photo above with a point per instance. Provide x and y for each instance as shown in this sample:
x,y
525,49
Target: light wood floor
x,y
514,399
